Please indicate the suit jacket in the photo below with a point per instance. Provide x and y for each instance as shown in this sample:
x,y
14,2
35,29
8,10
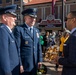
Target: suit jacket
x,y
69,59
9,59
30,48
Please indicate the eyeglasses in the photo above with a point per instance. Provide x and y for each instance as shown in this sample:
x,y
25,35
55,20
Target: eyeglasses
x,y
67,18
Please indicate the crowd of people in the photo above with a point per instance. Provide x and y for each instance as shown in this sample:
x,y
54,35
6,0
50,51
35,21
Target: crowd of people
x,y
21,46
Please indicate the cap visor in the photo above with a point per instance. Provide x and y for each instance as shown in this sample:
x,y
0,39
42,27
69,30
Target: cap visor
x,y
33,16
14,14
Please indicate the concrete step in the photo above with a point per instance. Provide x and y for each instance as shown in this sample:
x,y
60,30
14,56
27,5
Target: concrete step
x,y
51,70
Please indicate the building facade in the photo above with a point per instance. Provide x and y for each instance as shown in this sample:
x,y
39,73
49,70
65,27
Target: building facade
x,y
44,7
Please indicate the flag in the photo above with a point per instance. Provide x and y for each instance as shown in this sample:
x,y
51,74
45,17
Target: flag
x,y
53,4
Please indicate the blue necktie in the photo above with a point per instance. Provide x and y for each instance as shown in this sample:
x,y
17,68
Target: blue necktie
x,y
31,30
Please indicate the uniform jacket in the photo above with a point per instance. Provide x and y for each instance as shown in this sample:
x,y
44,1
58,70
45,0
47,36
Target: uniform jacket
x,y
30,48
8,51
69,59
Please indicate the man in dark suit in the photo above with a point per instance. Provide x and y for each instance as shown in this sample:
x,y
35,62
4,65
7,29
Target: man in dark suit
x,y
9,58
29,43
69,50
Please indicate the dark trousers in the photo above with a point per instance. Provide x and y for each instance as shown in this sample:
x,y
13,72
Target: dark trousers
x,y
16,70
32,72
60,54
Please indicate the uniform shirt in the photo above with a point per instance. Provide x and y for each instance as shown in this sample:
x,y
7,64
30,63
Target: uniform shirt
x,y
29,27
9,28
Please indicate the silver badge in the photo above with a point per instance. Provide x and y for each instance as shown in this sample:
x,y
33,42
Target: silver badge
x,y
37,35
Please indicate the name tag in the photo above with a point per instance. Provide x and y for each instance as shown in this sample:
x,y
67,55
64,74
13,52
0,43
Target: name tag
x,y
12,41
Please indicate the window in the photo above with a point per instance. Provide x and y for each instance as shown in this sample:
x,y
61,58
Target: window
x,y
0,1
7,1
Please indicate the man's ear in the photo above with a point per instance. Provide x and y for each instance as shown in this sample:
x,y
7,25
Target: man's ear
x,y
74,19
4,17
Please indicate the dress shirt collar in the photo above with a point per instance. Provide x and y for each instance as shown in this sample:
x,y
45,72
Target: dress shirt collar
x,y
73,30
29,26
9,29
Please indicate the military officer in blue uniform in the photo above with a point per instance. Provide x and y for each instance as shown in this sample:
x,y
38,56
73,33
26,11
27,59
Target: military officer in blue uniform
x,y
9,57
27,37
